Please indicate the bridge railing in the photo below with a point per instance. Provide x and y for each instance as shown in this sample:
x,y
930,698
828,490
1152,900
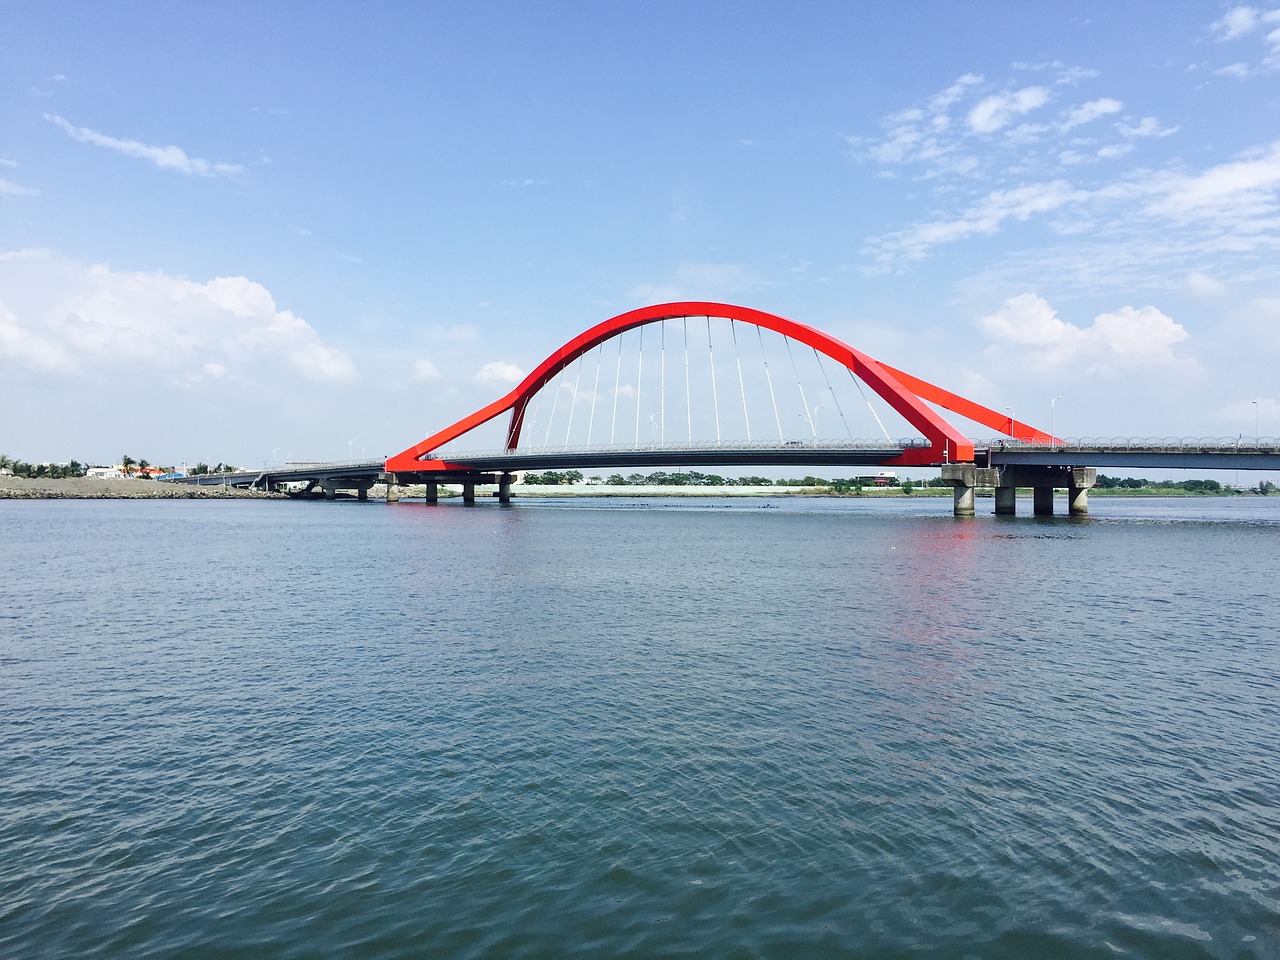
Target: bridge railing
x,y
907,443
1237,442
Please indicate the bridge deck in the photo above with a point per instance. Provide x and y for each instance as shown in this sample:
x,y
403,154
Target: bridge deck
x,y
479,466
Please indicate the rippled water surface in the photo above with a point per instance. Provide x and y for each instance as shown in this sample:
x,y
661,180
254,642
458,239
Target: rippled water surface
x,y
640,729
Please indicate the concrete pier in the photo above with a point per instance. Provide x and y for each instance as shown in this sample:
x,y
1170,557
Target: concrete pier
x,y
504,488
1006,501
1078,498
1043,480
432,491
965,478
1042,501
469,492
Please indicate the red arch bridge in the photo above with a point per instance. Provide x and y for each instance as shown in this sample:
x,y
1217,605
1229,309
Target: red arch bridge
x,y
711,384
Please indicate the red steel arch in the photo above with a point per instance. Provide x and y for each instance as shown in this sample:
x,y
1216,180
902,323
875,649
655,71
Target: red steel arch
x,y
905,393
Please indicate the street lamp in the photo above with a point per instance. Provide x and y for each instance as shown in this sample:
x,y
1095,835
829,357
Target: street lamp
x,y
1257,424
653,427
1053,433
1010,412
813,422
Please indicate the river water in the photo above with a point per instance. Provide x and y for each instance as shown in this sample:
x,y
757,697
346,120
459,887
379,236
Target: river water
x,y
625,728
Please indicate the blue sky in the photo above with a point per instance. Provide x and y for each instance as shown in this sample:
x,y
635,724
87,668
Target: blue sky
x,y
235,231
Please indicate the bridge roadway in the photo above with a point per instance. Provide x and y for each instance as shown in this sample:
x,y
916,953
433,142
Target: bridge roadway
x,y
1002,465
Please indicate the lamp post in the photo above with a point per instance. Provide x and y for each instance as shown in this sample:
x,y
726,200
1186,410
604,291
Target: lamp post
x,y
1053,433
813,420
1257,424
1009,410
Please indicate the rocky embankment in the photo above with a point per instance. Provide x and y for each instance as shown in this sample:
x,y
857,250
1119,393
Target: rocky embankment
x,y
92,488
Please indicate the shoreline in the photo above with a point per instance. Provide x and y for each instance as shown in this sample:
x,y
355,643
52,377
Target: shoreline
x,y
96,488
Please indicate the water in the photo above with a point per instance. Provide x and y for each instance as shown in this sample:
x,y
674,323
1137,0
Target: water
x,y
638,729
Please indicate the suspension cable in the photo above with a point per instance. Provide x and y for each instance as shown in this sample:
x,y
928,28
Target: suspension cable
x,y
617,379
803,400
573,403
555,402
715,402
688,403
857,383
662,381
639,375
834,398
518,422
769,378
595,393
742,387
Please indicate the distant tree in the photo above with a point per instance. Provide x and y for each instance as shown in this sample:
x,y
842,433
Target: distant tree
x,y
616,480
1266,488
535,478
200,469
907,487
126,464
142,468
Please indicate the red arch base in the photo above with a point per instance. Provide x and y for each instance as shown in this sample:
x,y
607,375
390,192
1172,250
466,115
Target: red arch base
x,y
906,394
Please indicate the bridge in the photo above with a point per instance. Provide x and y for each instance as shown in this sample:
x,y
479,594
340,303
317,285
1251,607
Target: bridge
x,y
721,385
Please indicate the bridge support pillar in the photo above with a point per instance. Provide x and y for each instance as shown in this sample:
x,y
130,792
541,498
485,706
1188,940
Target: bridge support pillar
x,y
1042,501
1081,479
330,490
362,494
1006,501
432,491
964,479
393,488
504,488
469,492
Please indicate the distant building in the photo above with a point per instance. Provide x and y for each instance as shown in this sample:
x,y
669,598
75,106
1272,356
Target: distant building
x,y
885,478
105,473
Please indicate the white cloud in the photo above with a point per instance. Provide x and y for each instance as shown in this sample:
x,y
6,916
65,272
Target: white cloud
x,y
1147,127
1115,151
1088,112
1244,188
10,189
1242,21
1237,70
1125,338
1136,336
1204,287
98,324
424,370
982,219
999,110
499,373
166,158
